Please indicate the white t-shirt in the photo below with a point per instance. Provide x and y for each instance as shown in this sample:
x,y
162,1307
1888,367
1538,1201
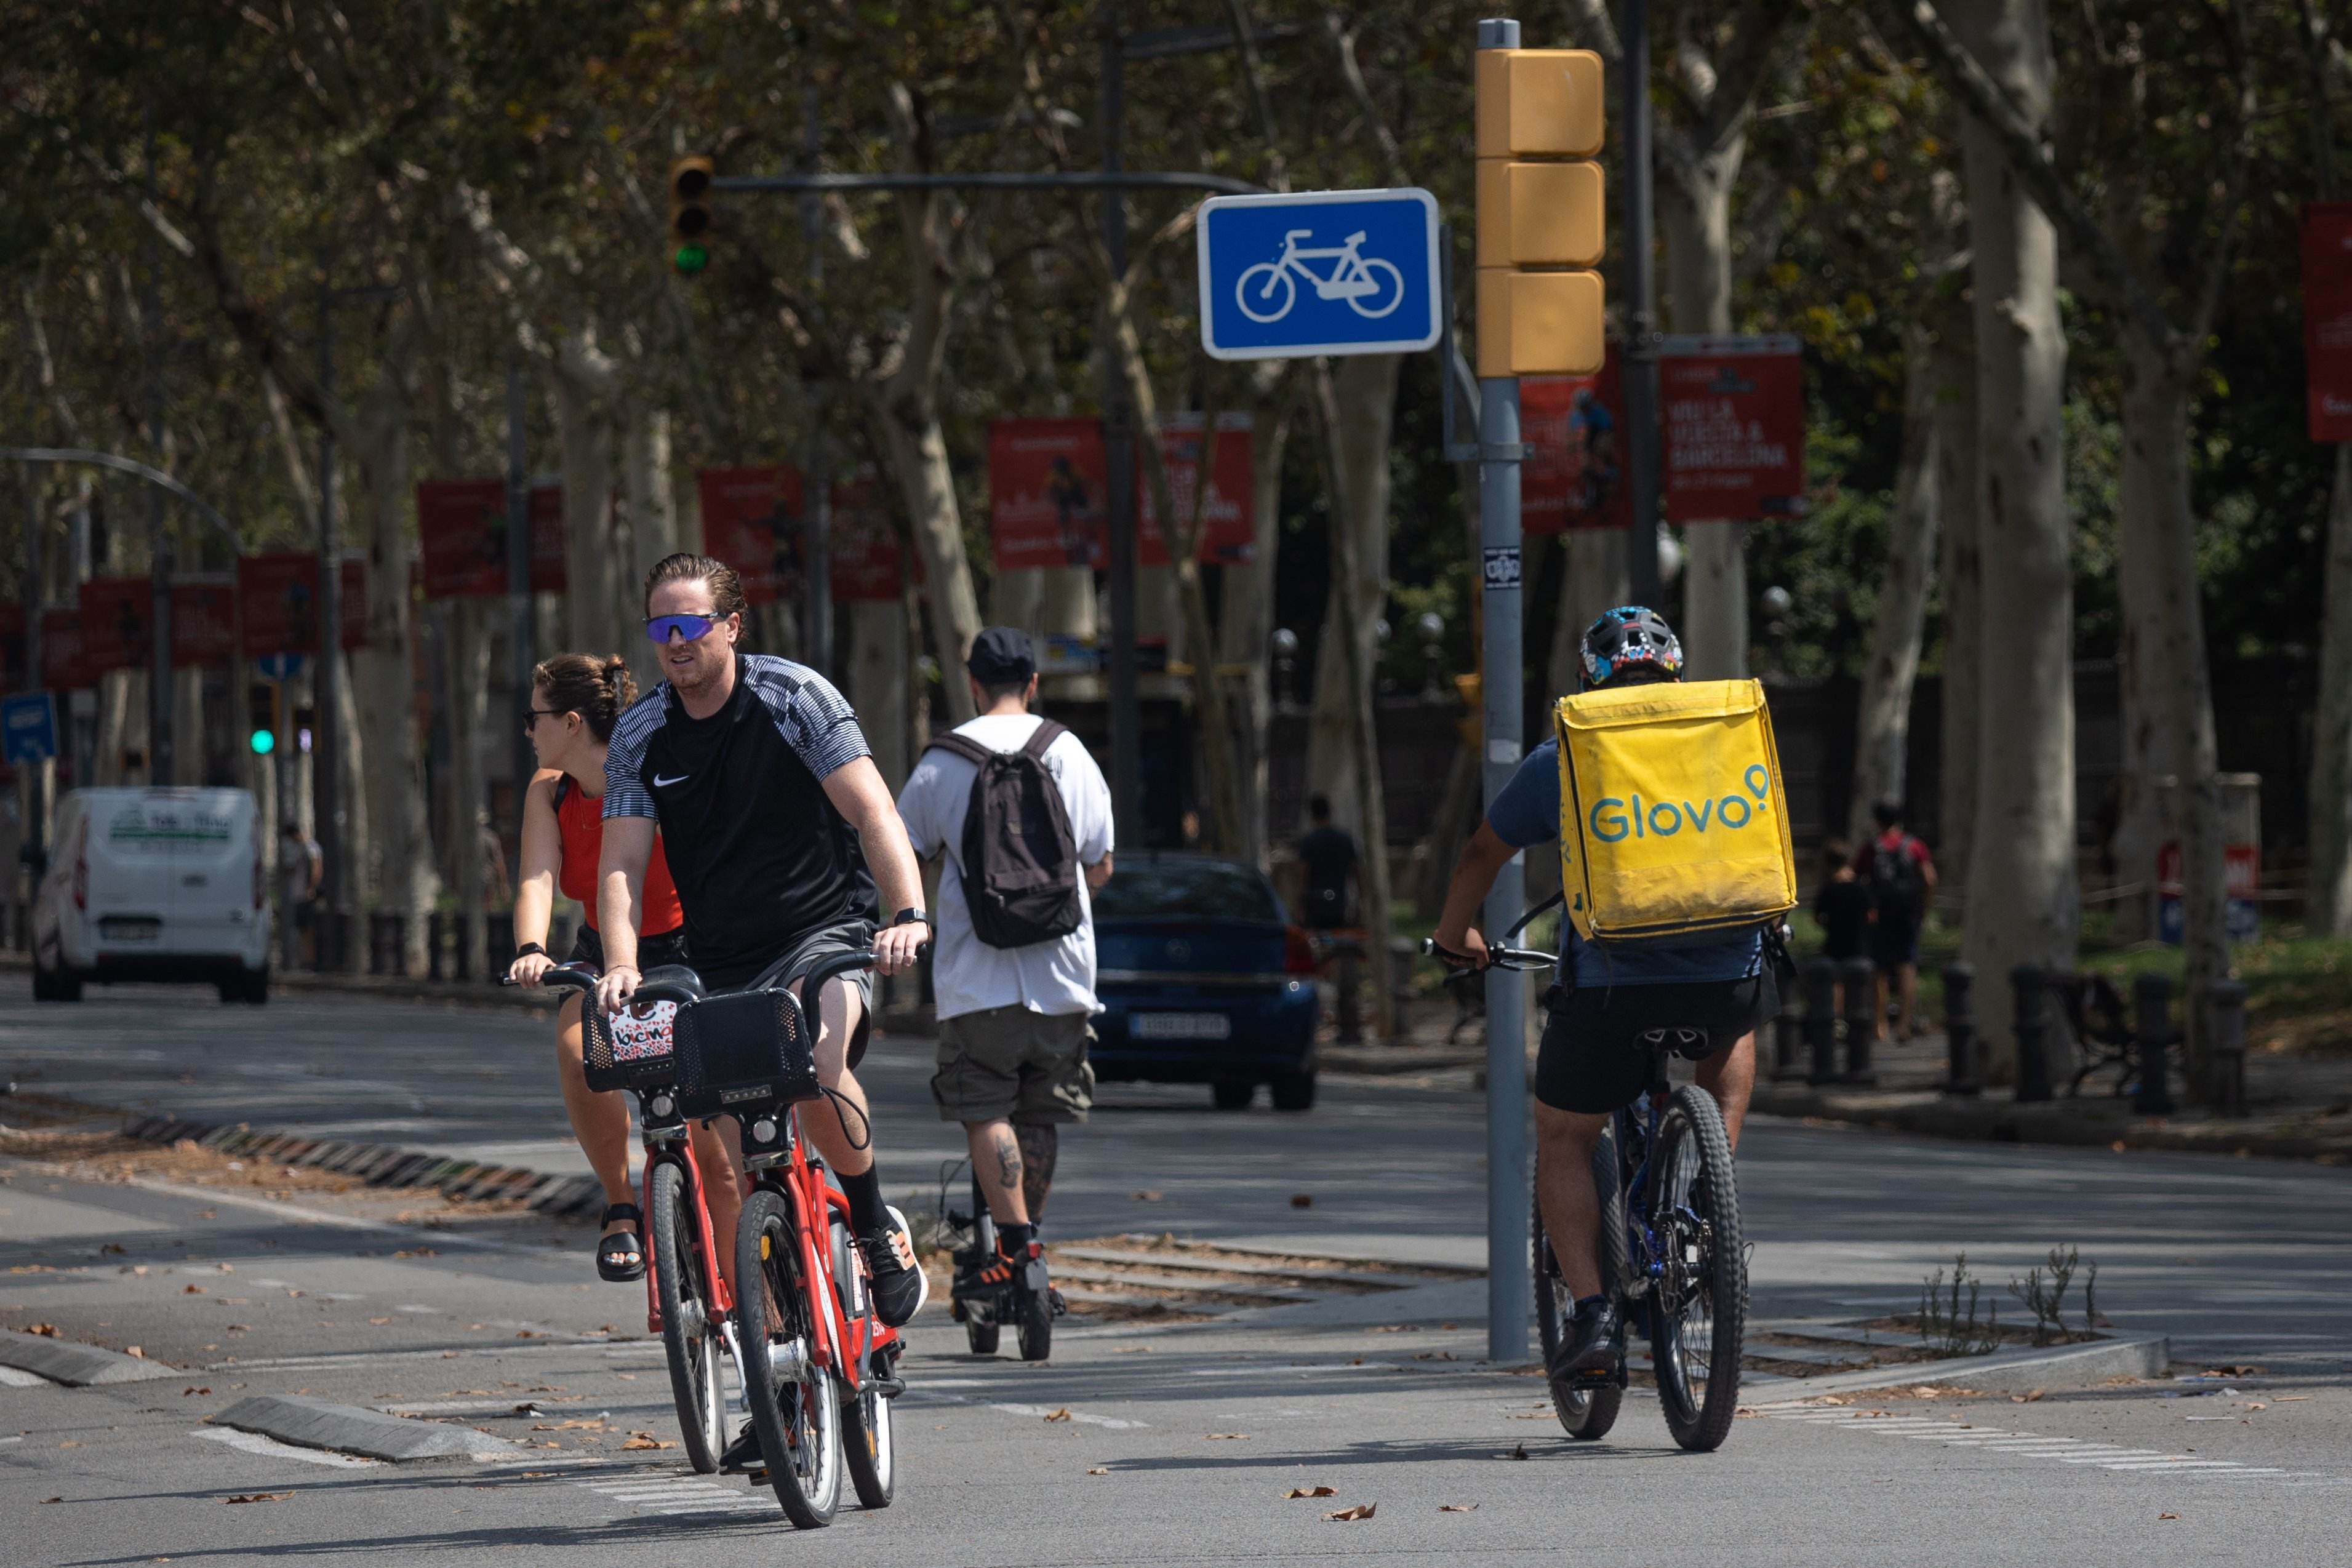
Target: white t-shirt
x,y
967,975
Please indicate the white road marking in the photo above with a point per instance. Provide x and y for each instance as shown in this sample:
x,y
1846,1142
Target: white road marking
x,y
271,1448
927,1394
677,1494
15,1377
2027,1445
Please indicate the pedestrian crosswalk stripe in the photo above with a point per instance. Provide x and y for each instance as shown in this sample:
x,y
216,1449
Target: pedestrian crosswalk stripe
x,y
676,1494
2032,1446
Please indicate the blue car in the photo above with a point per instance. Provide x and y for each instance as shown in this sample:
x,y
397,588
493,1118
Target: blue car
x,y
1206,980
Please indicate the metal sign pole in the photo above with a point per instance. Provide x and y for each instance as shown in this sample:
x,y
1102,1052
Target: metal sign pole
x,y
1118,486
1509,1288
1642,310
520,543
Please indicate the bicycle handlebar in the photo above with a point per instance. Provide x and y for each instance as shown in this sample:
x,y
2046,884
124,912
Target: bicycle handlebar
x,y
1512,957
677,982
578,977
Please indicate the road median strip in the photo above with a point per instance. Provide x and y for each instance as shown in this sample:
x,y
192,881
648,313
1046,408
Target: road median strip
x,y
75,1364
350,1429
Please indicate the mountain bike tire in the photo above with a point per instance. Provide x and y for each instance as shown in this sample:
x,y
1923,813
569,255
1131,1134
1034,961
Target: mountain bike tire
x,y
1033,1325
690,1335
1701,1305
1585,1414
796,1411
868,1438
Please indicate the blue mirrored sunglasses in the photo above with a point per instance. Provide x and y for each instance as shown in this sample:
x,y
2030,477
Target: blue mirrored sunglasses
x,y
693,628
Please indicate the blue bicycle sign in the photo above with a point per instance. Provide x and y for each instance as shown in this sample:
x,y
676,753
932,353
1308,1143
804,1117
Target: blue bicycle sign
x,y
1326,272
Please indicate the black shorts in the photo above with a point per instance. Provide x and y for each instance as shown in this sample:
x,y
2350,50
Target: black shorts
x,y
1894,940
666,947
1591,1060
826,941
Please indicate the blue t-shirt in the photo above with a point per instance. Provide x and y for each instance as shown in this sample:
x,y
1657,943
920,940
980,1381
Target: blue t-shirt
x,y
1527,813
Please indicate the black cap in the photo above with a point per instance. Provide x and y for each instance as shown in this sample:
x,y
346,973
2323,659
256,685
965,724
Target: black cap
x,y
1002,656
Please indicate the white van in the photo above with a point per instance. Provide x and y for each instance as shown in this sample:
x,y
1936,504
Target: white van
x,y
154,884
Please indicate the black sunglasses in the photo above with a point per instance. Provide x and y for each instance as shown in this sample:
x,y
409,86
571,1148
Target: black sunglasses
x,y
531,716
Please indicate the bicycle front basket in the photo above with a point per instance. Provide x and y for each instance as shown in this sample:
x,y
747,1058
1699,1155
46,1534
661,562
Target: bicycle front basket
x,y
630,1049
744,1050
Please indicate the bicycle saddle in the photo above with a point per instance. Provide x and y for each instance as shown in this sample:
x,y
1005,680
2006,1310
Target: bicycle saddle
x,y
1686,1043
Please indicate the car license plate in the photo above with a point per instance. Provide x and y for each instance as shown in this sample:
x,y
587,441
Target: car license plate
x,y
121,929
1182,1026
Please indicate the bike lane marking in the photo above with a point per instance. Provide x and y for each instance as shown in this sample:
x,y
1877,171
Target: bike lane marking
x,y
2064,1450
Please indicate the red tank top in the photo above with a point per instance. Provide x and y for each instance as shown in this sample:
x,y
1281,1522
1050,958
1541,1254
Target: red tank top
x,y
580,820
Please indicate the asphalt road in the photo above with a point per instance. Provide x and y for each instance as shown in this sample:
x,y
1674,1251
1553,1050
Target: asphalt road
x,y
1196,1432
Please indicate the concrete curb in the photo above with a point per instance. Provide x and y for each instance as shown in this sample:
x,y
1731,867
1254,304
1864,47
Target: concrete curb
x,y
383,1165
2100,1122
2054,1366
348,1429
77,1365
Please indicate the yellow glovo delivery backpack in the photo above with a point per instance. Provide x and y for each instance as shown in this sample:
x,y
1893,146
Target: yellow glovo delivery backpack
x,y
1674,828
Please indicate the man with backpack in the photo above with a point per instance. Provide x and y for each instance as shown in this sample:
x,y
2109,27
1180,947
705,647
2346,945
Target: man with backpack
x,y
1902,877
1025,819
1612,990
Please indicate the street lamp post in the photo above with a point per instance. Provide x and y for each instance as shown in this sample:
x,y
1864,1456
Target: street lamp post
x,y
1642,317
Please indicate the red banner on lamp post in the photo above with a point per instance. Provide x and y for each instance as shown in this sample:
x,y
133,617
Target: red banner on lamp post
x,y
752,520
62,667
461,529
866,563
204,624
278,604
1573,428
2328,318
1733,428
1045,494
118,617
1227,531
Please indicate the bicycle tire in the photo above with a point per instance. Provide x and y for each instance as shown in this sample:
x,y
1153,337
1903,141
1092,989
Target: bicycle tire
x,y
1701,1304
802,1444
1033,1325
689,1336
1585,1414
1356,302
868,1438
1277,275
983,1338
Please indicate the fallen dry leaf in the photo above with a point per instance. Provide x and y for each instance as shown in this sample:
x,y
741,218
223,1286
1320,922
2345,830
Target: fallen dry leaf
x,y
1097,1470
2288,1398
186,1392
1059,1413
192,1289
1302,1200
258,1497
2168,1516
1144,1197
1227,1437
1456,1507
645,1440
378,1323
141,1355
70,1442
1362,1510
528,1334
2257,1405
53,1499
1312,1491
239,1329
46,1330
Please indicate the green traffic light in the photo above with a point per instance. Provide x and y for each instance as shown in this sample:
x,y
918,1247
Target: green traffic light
x,y
692,258
263,743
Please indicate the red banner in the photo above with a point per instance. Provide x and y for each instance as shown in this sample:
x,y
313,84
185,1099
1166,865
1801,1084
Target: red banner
x,y
1226,530
1573,428
1045,494
2328,318
1735,428
204,624
752,520
865,562
62,667
461,528
118,617
278,604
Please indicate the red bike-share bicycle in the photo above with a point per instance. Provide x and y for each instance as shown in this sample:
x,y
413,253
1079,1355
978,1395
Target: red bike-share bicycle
x,y
817,1368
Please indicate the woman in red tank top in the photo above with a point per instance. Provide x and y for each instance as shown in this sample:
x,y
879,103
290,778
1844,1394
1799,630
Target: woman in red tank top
x,y
575,700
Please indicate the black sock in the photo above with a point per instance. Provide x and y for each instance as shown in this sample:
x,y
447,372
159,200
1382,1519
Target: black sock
x,y
1596,1302
864,1191
1013,1240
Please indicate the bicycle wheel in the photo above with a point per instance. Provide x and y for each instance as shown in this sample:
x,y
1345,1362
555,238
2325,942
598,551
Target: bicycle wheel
x,y
1271,298
792,1400
1584,1413
869,1441
1033,1328
1701,1304
1374,268
690,1333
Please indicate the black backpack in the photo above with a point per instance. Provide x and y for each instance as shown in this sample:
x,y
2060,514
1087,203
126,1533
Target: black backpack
x,y
1020,859
1894,883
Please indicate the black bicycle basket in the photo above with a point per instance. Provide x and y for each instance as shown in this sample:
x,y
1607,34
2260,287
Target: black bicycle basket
x,y
639,1054
744,1050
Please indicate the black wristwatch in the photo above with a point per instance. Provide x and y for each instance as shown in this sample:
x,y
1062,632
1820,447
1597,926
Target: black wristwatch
x,y
527,949
910,916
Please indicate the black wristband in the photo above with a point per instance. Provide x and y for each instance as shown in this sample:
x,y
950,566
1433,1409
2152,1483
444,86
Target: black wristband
x,y
910,916
527,949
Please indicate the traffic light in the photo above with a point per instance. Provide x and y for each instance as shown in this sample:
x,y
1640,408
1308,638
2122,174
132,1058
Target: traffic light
x,y
1541,231
689,215
261,712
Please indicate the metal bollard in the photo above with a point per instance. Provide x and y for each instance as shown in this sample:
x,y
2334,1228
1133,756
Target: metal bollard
x,y
2028,985
434,937
2225,1051
1346,992
2152,1033
1788,1041
462,965
1862,1018
1821,1018
1960,1030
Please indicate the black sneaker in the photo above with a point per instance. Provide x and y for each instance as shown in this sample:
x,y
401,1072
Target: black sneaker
x,y
900,1287
993,1277
743,1456
1593,1349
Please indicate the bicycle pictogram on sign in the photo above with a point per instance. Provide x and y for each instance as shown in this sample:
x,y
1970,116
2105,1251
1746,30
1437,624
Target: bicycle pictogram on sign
x,y
1268,290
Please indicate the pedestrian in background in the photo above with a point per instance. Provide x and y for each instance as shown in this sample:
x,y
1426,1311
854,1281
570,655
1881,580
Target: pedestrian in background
x,y
1845,908
1327,852
1902,877
300,870
1012,974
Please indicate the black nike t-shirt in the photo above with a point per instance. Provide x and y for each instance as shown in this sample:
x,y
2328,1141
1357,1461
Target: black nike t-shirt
x,y
760,855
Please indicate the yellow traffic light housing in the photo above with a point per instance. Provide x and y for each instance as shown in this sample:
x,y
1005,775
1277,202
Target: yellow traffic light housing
x,y
689,215
1541,212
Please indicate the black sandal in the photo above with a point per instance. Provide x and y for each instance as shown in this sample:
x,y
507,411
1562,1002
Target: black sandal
x,y
621,1256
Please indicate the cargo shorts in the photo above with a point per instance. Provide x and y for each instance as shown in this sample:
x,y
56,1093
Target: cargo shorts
x,y
1010,1064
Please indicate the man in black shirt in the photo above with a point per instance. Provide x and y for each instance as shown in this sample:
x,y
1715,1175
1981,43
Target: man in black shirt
x,y
770,807
1329,855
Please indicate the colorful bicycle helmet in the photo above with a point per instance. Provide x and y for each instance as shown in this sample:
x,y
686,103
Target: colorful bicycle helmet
x,y
1629,645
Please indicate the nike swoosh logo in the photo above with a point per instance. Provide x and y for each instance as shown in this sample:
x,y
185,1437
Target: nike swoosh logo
x,y
661,782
